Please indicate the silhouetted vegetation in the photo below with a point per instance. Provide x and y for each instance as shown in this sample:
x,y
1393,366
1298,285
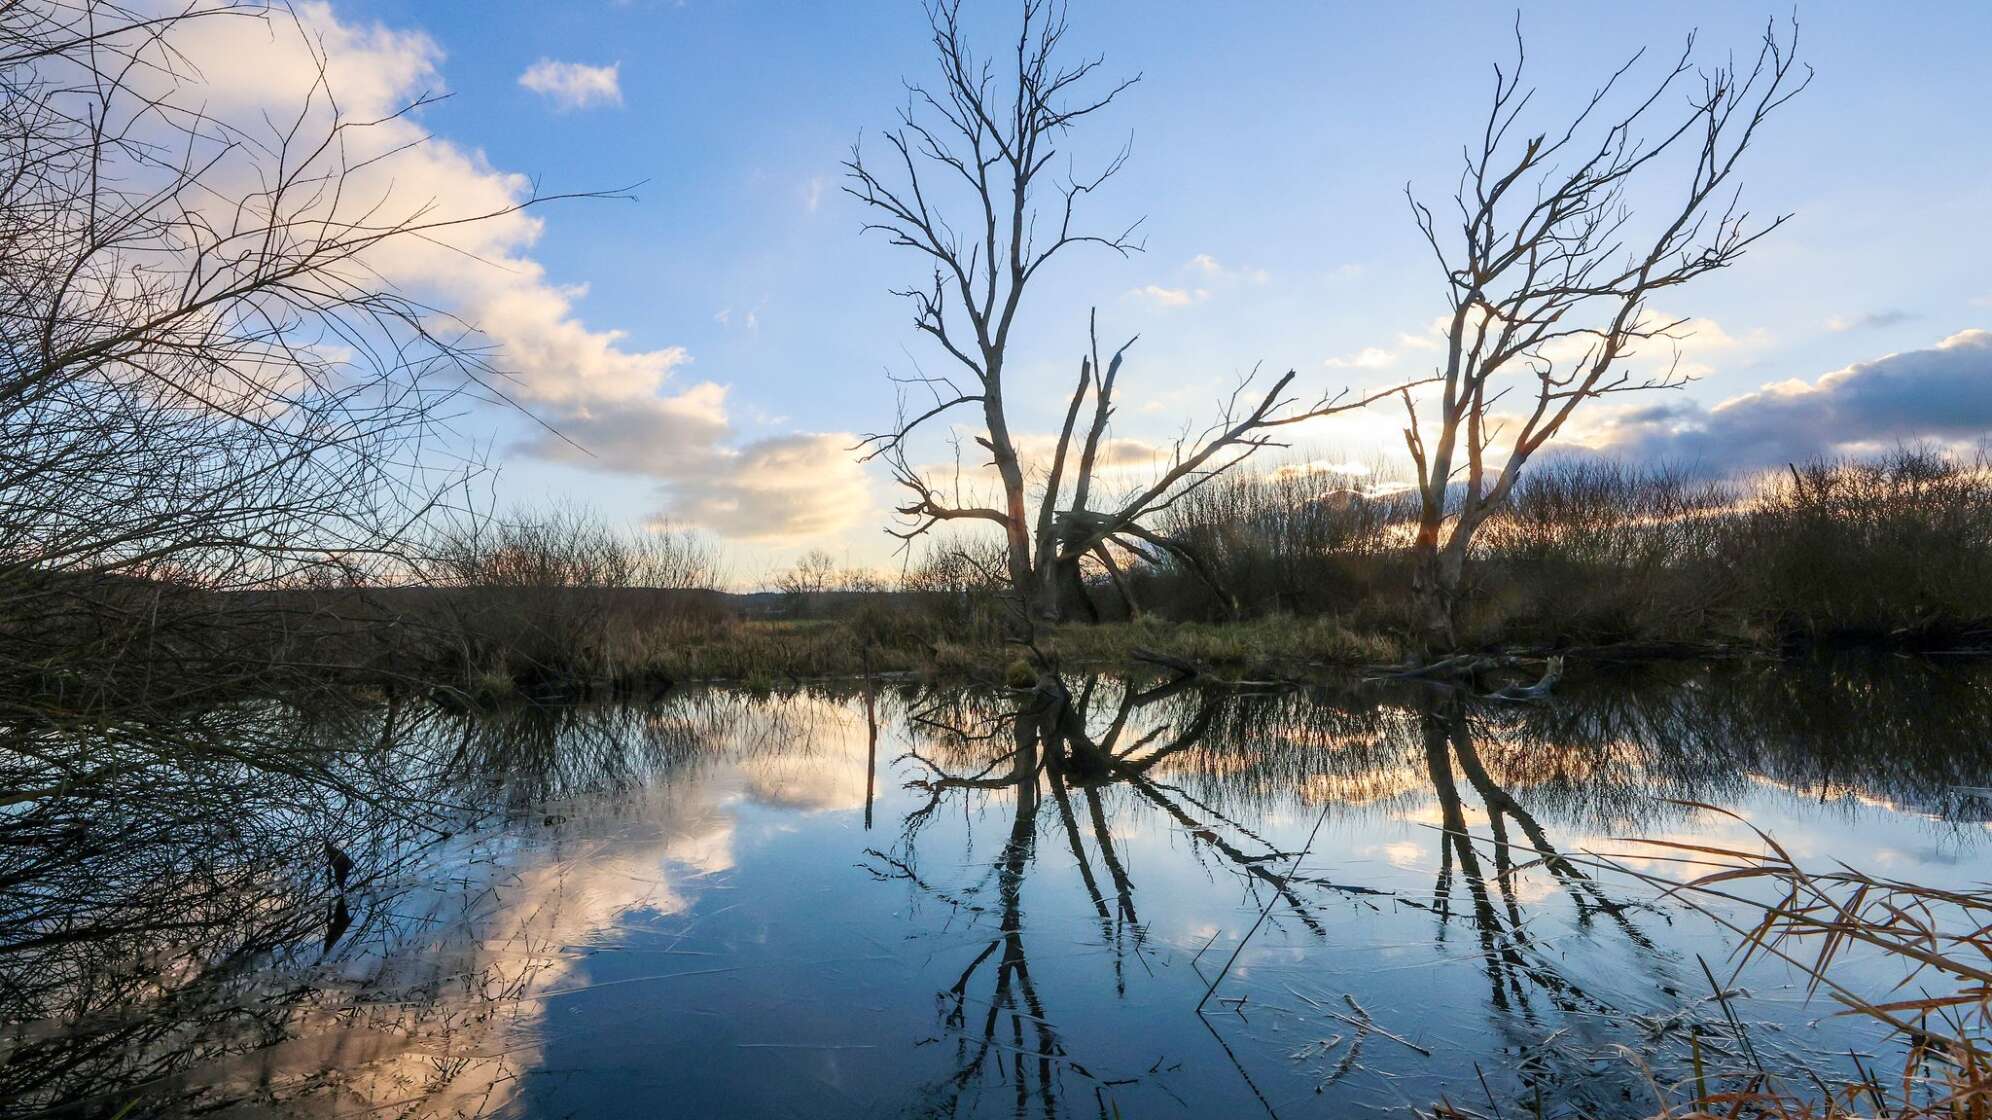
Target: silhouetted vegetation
x,y
545,601
1890,551
1300,573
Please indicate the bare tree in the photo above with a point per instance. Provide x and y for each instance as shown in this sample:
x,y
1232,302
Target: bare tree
x,y
1549,280
1001,142
990,146
205,383
1070,530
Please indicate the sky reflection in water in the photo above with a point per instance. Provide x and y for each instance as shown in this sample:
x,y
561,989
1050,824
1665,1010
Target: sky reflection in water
x,y
911,903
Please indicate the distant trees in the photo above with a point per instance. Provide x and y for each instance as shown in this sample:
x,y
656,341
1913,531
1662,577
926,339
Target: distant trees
x,y
813,573
970,187
1549,282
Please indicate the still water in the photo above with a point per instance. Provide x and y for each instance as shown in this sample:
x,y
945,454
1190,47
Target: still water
x,y
901,901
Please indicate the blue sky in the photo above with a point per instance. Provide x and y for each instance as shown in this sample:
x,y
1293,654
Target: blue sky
x,y
1272,140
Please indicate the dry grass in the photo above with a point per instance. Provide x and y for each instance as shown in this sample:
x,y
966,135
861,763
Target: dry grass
x,y
1274,647
886,640
1940,1010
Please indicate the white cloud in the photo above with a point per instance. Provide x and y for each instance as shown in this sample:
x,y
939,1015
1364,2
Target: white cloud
x,y
1158,296
630,407
777,489
1209,273
1369,357
574,85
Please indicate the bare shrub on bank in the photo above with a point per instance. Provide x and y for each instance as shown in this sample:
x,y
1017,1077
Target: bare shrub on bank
x,y
962,584
1895,549
1898,546
558,596
1300,539
1601,551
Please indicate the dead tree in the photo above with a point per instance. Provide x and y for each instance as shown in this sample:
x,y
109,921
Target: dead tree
x,y
1549,280
988,145
1070,530
993,145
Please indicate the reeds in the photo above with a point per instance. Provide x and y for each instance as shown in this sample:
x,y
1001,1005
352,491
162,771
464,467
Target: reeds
x,y
1939,1010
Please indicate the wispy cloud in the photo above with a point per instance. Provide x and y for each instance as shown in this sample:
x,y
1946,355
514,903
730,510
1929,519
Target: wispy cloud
x,y
574,85
1156,295
1886,317
1369,357
1211,267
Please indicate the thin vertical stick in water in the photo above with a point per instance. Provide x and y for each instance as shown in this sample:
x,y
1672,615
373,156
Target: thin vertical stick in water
x,y
1265,910
871,739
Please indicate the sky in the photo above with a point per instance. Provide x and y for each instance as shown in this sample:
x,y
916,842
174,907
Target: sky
x,y
711,346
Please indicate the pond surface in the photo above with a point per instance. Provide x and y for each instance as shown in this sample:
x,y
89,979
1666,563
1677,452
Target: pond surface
x,y
906,902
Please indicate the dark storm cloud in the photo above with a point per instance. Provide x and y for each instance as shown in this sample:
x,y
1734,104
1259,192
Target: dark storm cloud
x,y
1943,393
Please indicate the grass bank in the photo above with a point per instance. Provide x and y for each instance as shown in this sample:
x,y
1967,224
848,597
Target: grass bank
x,y
769,653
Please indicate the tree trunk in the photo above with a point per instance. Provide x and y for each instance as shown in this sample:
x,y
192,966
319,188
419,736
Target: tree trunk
x,y
1435,593
1073,600
1061,594
1017,531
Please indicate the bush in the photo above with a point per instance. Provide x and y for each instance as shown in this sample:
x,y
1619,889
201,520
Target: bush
x,y
554,598
1897,548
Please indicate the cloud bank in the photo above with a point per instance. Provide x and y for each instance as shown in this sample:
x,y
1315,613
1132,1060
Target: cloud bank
x,y
1941,394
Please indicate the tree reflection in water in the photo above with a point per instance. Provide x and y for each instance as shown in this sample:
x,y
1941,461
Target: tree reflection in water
x,y
1048,749
166,923
1079,764
1048,752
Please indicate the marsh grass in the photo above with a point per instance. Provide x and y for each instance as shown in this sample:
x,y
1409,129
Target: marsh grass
x,y
1938,940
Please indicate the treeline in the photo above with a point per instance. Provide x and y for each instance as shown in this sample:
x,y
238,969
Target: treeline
x,y
1271,570
1272,573
1892,550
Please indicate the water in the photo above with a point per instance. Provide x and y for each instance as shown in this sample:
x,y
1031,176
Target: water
x,y
894,902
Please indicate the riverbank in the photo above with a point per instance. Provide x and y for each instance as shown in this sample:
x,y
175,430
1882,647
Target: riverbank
x,y
1277,650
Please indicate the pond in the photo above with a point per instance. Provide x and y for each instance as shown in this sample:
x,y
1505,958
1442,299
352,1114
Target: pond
x,y
900,900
